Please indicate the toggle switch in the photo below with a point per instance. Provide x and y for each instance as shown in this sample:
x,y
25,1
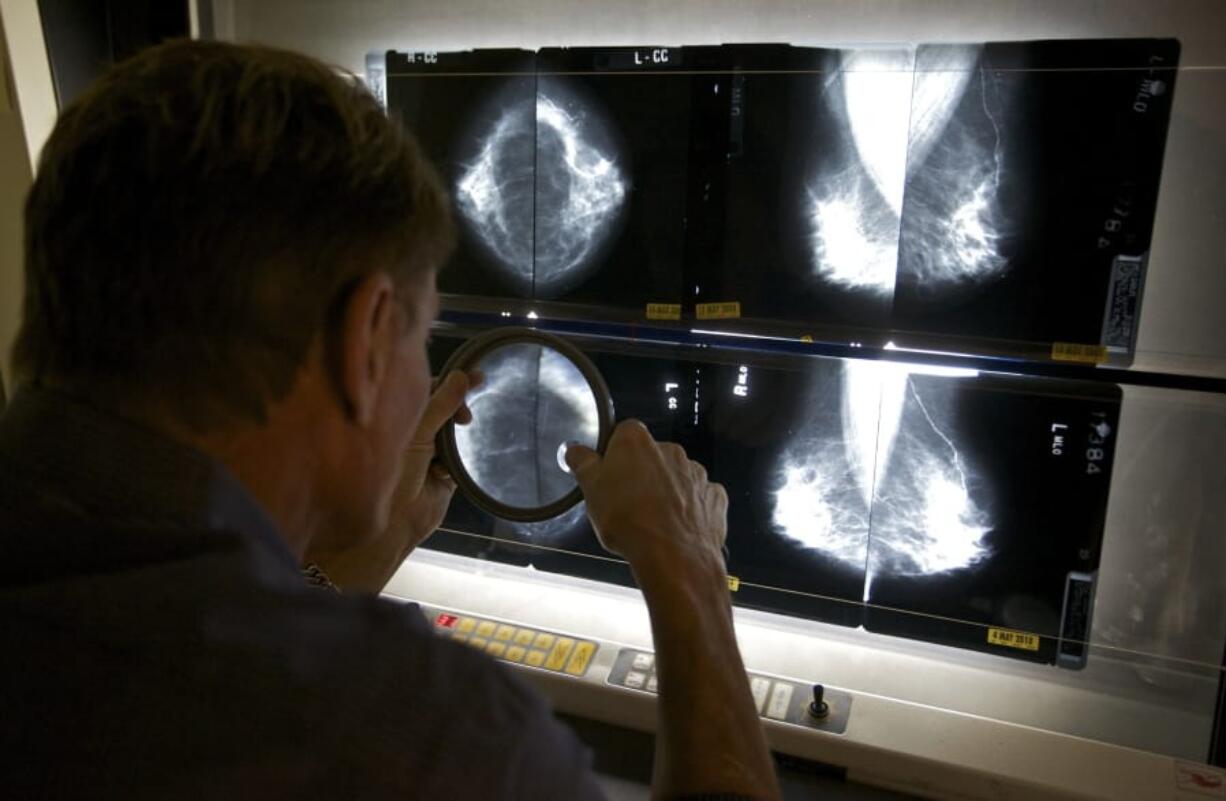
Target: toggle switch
x,y
818,707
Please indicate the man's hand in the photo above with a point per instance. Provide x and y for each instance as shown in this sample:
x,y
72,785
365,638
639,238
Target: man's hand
x,y
420,500
651,505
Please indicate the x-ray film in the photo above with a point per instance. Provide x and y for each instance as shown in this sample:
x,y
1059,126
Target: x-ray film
x,y
993,197
922,502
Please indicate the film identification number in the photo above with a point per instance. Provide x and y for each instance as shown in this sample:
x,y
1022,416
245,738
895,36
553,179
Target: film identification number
x,y
1096,442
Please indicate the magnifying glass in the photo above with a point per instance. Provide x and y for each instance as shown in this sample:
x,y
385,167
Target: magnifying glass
x,y
540,395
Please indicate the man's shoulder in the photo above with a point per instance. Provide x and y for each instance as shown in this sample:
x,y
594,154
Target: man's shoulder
x,y
355,691
444,714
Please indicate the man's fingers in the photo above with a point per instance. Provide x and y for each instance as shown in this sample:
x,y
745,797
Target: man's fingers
x,y
675,454
629,431
583,463
440,473
475,379
445,403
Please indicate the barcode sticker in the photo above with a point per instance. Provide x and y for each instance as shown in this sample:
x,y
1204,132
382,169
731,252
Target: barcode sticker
x,y
1074,352
718,311
1124,302
663,311
1014,639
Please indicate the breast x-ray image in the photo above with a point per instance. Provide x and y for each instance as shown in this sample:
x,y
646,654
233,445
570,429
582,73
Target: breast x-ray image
x,y
1031,186
923,502
977,197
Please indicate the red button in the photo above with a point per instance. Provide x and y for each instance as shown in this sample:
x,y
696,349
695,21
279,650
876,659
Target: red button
x,y
445,621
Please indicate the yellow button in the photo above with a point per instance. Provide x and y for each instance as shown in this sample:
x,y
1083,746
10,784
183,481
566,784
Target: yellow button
x,y
561,650
515,653
460,637
485,628
534,658
524,637
478,642
543,641
496,649
466,625
580,659
504,633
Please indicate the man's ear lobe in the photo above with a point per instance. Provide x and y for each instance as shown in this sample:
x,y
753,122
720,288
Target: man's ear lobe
x,y
365,346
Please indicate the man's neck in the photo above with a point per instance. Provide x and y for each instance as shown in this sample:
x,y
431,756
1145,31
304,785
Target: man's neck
x,y
277,462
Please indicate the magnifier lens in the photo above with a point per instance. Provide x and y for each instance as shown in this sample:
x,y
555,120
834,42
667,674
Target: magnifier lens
x,y
533,404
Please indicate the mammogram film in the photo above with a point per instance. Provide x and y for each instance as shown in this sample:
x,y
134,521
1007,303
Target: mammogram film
x,y
533,403
921,502
980,193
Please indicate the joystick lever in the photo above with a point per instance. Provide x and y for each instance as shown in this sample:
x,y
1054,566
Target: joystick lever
x,y
818,707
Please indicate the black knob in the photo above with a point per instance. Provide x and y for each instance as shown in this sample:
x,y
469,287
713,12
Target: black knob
x,y
818,707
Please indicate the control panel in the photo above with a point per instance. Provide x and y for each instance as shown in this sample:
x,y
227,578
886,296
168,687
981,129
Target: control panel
x,y
813,706
518,644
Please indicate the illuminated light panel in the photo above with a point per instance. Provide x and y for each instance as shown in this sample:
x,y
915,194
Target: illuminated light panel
x,y
555,528
952,223
850,247
895,458
877,102
814,508
540,194
924,518
895,115
938,88
854,214
494,193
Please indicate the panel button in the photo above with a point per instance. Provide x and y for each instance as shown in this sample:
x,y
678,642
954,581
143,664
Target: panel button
x,y
466,625
496,649
460,637
515,653
478,642
635,680
781,699
534,658
543,641
580,659
485,628
524,637
652,684
504,633
561,650
644,661
760,688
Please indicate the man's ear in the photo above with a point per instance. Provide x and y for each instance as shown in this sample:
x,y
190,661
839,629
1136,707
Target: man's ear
x,y
366,345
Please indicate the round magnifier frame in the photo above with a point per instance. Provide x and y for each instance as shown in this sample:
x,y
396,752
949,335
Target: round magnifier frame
x,y
468,356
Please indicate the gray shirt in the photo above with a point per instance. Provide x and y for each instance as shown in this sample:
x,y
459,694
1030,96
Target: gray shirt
x,y
159,642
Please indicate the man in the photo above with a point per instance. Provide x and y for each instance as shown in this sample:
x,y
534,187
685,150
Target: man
x,y
222,374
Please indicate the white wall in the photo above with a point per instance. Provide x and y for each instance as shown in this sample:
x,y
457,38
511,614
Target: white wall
x,y
342,32
14,181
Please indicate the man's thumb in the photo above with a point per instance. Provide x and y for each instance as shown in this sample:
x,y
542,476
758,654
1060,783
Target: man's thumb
x,y
583,462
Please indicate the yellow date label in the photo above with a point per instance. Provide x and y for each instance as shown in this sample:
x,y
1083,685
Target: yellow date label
x,y
1075,352
718,311
663,311
1014,639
